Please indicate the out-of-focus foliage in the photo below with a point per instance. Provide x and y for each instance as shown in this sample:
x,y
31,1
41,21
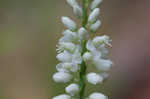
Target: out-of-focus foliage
x,y
29,31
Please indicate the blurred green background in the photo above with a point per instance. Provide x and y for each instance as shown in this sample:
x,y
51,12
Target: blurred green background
x,y
29,32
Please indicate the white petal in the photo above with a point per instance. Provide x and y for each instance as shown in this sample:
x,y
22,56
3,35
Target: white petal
x,y
64,57
67,46
90,46
94,78
67,67
76,57
97,95
94,15
77,11
74,67
96,54
69,36
83,34
95,26
102,64
63,67
72,89
70,24
63,96
62,77
87,56
104,51
95,3
99,40
72,2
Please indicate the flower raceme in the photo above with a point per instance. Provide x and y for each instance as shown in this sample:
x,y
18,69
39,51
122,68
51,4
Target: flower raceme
x,y
73,54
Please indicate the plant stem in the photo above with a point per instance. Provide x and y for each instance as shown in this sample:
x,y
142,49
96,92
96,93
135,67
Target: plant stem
x,y
85,12
83,65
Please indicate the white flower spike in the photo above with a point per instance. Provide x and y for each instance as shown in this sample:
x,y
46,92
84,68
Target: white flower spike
x,y
76,52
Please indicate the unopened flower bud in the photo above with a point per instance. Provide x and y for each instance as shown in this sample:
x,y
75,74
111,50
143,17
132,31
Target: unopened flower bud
x,y
103,64
68,23
87,56
97,95
93,15
83,34
72,89
69,36
63,96
94,78
64,57
77,11
72,2
95,3
62,77
95,26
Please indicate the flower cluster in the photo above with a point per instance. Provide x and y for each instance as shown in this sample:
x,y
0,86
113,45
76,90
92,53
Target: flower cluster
x,y
72,53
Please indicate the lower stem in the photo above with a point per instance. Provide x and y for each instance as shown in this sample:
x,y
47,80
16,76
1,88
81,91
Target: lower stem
x,y
82,73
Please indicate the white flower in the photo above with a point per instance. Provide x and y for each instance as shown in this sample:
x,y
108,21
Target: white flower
x,y
70,24
90,46
63,96
64,57
87,56
95,3
69,36
103,64
95,53
67,57
83,34
94,15
76,57
94,78
97,95
62,77
98,45
72,2
104,51
67,67
68,46
95,26
72,89
99,40
77,11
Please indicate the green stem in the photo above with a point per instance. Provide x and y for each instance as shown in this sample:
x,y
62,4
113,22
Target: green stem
x,y
82,73
83,65
85,12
